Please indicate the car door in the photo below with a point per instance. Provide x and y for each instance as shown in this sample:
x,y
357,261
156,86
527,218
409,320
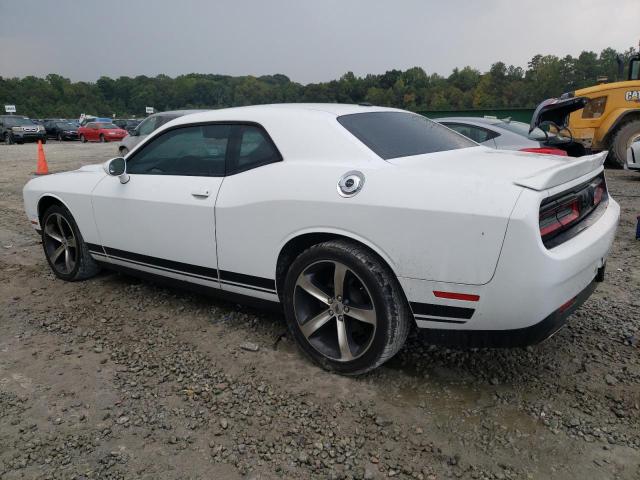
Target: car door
x,y
91,132
162,220
244,217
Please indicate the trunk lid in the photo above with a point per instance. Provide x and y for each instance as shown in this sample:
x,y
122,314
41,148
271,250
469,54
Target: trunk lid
x,y
530,170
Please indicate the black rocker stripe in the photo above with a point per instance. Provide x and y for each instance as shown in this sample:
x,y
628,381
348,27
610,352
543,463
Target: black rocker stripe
x,y
235,279
168,270
259,282
441,320
257,289
93,248
207,272
431,309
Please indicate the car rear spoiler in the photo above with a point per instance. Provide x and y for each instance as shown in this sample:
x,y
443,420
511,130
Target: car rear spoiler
x,y
571,169
556,111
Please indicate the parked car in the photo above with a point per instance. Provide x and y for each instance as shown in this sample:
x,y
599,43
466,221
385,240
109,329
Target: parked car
x,y
91,118
506,134
101,132
61,130
127,124
633,155
357,221
148,125
17,129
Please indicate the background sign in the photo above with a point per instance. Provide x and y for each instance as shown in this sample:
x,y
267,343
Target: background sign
x,y
148,109
10,108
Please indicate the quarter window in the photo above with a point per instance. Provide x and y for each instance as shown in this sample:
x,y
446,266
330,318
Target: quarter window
x,y
190,151
147,126
255,149
477,134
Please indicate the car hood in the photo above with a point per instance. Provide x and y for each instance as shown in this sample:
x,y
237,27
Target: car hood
x,y
531,170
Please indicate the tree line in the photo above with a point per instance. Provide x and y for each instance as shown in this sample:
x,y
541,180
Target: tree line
x,y
413,89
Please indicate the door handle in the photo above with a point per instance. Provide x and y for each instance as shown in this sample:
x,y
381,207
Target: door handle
x,y
202,193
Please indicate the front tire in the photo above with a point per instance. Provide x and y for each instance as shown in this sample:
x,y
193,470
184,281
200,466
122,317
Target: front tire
x,y
345,307
65,249
621,141
83,139
8,139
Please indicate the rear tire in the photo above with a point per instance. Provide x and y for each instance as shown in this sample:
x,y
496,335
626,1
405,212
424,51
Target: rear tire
x,y
349,326
8,139
59,137
65,249
102,139
621,141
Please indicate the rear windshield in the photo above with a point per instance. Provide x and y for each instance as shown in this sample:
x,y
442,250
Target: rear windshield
x,y
399,134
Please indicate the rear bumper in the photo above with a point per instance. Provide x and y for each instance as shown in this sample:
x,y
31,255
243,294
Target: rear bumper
x,y
519,337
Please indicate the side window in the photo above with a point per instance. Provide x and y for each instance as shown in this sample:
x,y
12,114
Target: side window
x,y
255,149
147,126
477,134
190,151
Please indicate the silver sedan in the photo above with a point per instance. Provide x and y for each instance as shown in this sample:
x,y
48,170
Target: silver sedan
x,y
503,134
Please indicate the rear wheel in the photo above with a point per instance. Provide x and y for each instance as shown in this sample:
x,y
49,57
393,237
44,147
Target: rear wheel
x,y
8,138
102,139
622,139
59,137
64,247
345,308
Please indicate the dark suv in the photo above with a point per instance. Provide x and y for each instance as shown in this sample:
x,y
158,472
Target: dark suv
x,y
17,129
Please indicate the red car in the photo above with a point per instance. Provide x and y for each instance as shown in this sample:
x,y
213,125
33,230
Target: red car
x,y
101,132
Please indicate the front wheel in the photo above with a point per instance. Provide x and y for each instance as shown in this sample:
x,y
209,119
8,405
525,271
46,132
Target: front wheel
x,y
622,141
83,139
64,247
8,138
345,307
59,137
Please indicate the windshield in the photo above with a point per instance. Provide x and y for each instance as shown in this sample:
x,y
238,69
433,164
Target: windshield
x,y
17,122
399,134
65,125
522,129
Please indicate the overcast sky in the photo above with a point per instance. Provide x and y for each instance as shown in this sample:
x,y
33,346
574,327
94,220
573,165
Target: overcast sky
x,y
307,40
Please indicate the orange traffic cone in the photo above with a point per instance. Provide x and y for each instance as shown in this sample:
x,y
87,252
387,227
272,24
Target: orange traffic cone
x,y
42,168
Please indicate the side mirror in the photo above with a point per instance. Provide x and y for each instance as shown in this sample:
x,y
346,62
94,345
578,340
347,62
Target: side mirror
x,y
117,167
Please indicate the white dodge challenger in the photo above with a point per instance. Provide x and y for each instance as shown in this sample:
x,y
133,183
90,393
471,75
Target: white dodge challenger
x,y
360,221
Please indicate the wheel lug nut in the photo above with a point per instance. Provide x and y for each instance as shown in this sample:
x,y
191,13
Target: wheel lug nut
x,y
330,301
340,317
331,312
346,309
339,298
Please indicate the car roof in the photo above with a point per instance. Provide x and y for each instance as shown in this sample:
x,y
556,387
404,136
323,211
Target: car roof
x,y
177,112
279,111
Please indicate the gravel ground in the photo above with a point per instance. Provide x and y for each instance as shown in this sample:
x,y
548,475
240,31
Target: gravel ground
x,y
118,378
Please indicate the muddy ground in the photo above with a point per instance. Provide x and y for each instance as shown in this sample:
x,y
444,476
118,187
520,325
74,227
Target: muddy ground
x,y
119,378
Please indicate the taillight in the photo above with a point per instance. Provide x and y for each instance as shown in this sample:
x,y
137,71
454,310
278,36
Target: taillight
x,y
545,150
594,108
558,217
566,210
